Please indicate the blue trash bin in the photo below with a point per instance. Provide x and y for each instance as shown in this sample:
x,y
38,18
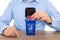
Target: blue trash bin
x,y
30,27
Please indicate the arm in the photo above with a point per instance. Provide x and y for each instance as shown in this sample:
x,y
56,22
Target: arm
x,y
6,18
55,16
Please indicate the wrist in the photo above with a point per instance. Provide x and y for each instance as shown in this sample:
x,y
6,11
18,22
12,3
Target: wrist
x,y
3,31
49,20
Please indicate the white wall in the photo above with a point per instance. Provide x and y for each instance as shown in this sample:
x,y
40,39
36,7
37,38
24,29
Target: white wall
x,y
4,3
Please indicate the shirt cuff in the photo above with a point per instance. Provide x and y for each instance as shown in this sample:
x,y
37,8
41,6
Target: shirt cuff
x,y
55,24
49,23
2,27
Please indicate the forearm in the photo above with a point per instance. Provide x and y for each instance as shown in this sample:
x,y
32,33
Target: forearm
x,y
55,23
2,27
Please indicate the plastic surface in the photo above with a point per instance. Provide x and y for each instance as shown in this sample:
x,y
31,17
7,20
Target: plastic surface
x,y
30,27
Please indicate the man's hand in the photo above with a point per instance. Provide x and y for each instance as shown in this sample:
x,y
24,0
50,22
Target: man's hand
x,y
42,16
11,31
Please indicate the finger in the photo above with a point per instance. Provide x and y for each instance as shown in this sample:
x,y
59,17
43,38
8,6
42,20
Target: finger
x,y
15,31
9,32
33,15
42,19
38,17
6,33
12,33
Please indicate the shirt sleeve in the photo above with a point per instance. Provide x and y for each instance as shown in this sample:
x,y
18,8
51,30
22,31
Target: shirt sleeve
x,y
55,16
6,18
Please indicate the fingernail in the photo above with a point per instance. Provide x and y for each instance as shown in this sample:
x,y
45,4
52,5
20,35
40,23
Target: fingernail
x,y
17,35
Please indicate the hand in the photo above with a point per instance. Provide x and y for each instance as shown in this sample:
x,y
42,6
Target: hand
x,y
41,15
11,31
